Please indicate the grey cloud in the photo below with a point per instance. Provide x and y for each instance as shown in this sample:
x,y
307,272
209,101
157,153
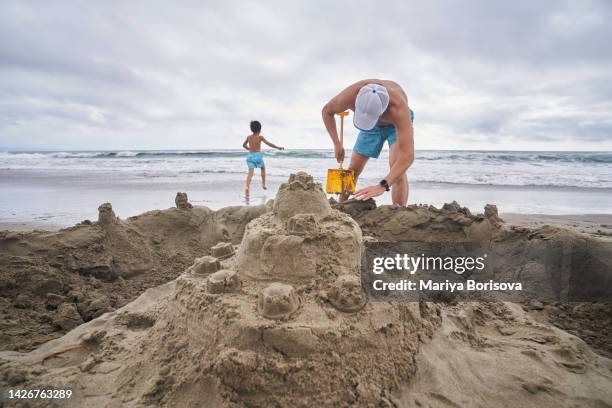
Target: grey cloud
x,y
129,74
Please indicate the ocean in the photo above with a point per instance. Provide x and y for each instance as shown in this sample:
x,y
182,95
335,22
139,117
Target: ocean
x,y
61,188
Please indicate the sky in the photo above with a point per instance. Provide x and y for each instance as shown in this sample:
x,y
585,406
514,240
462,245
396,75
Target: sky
x,y
117,75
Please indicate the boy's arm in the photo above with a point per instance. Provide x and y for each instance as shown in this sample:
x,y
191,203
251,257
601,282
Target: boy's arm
x,y
263,139
245,144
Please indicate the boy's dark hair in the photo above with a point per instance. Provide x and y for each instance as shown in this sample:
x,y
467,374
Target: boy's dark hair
x,y
255,126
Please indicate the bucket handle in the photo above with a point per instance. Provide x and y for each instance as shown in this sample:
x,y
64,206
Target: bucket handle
x,y
342,115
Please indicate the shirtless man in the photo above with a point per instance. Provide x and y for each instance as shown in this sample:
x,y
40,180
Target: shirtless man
x,y
381,113
254,157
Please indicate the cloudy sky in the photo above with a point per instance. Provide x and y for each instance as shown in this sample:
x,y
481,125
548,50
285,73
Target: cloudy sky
x,y
191,75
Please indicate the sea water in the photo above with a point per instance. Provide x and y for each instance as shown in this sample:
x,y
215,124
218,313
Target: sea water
x,y
66,187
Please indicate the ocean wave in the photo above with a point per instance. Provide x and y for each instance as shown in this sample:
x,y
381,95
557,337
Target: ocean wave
x,y
313,154
461,156
209,171
524,157
499,182
22,155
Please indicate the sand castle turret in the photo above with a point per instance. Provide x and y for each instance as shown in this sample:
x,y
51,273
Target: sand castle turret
x,y
223,281
204,266
300,195
301,239
182,202
222,250
106,215
346,294
278,301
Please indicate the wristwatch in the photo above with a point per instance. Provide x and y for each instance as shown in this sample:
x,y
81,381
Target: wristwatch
x,y
384,183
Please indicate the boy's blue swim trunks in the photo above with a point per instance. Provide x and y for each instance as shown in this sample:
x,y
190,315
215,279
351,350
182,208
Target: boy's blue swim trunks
x,y
370,142
255,160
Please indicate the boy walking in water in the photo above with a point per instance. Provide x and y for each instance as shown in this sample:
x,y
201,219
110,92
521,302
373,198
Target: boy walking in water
x,y
254,158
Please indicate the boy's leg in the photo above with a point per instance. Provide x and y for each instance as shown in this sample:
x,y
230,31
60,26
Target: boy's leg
x,y
358,162
248,181
399,189
263,178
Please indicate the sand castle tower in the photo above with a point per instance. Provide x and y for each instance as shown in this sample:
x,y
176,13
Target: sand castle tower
x,y
301,239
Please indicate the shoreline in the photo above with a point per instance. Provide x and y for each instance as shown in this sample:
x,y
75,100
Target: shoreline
x,y
597,225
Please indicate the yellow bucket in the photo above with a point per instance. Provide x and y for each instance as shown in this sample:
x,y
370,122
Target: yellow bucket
x,y
340,181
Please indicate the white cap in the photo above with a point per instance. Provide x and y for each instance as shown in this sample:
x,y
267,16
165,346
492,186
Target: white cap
x,y
372,100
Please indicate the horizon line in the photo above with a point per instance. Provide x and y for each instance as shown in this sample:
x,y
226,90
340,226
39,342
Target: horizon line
x,y
45,150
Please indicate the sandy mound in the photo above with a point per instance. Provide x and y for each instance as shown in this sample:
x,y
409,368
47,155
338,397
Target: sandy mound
x,y
451,223
50,282
498,355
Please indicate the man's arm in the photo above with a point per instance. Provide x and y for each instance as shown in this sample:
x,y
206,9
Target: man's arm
x,y
245,144
263,139
405,147
339,103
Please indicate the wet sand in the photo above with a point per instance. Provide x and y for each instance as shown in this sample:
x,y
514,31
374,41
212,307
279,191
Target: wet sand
x,y
60,198
597,225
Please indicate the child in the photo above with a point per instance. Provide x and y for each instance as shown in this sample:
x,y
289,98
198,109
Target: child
x,y
254,158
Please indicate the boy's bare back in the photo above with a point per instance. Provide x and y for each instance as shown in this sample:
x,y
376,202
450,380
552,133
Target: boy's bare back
x,y
254,142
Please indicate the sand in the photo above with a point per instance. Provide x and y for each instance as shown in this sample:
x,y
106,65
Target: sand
x,y
594,225
280,320
499,355
97,267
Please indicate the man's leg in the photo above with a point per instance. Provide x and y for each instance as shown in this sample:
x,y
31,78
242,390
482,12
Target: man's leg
x,y
399,189
263,178
358,162
248,181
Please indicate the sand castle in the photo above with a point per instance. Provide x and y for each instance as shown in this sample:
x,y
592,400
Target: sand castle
x,y
288,304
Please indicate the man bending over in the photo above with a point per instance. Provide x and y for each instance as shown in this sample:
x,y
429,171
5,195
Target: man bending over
x,y
381,114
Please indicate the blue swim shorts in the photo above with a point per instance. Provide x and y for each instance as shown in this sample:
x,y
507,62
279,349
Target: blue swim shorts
x,y
370,142
255,160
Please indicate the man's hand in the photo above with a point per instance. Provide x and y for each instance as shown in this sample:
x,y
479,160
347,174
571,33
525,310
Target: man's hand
x,y
281,148
339,153
369,192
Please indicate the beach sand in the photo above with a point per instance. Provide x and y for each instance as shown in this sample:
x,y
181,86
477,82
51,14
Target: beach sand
x,y
262,306
595,225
